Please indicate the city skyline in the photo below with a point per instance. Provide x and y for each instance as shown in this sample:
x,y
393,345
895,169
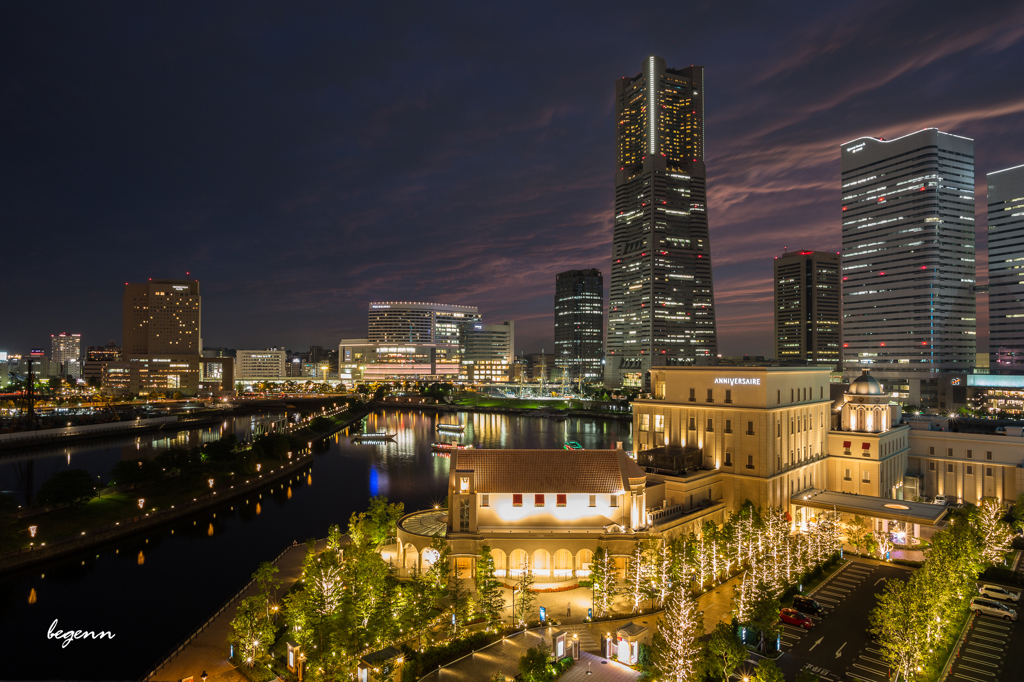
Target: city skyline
x,y
777,109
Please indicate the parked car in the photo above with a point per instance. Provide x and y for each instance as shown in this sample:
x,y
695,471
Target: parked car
x,y
807,605
996,592
992,608
940,499
795,618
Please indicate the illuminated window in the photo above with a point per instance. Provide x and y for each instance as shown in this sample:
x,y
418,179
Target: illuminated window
x,y
613,501
847,476
464,484
560,500
485,500
865,476
517,500
645,422
659,423
593,500
538,500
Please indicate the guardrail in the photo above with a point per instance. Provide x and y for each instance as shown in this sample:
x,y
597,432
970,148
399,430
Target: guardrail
x,y
188,640
72,431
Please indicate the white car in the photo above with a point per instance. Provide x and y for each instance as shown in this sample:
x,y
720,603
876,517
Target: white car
x,y
996,592
940,499
992,608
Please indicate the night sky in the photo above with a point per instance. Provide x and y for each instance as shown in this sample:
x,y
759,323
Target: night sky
x,y
302,159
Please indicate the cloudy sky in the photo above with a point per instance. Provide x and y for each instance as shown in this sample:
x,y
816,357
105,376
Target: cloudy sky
x,y
302,159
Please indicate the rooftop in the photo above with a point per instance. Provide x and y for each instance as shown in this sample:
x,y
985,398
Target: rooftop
x,y
554,471
430,523
878,507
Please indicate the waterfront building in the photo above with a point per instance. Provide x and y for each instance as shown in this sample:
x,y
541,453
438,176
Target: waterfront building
x,y
908,261
406,322
807,320
545,509
661,308
1005,257
162,348
487,352
400,361
256,364
579,324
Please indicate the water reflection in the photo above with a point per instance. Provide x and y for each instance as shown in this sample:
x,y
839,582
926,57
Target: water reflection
x,y
188,574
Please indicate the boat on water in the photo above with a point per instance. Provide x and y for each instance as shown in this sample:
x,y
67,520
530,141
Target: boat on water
x,y
451,427
378,436
572,445
450,446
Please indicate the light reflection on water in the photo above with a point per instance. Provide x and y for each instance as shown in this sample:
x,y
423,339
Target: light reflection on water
x,y
152,599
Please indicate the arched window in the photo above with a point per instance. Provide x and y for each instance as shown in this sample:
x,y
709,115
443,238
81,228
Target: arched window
x,y
517,561
542,562
584,557
412,558
500,562
562,564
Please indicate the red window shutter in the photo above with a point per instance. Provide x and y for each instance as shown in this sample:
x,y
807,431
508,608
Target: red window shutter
x,y
538,500
517,500
561,500
846,443
865,446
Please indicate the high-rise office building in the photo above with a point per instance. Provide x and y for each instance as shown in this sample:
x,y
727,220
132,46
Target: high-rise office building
x,y
162,316
579,324
908,261
162,349
256,364
661,310
487,352
404,322
1005,258
807,323
66,353
65,347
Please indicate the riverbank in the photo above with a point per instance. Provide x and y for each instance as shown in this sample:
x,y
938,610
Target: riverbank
x,y
184,506
18,441
545,412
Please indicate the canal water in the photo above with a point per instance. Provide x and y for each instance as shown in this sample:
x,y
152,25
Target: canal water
x,y
152,590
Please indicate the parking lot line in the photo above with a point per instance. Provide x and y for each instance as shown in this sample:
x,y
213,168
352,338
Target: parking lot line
x,y
994,624
978,652
871,670
976,670
966,677
986,646
987,639
981,662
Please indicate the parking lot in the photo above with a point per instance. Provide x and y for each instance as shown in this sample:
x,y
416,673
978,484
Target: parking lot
x,y
838,646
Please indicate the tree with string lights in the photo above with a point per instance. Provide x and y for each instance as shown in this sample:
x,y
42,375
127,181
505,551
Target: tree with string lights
x,y
676,645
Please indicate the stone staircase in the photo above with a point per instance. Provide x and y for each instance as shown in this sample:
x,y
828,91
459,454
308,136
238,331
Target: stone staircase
x,y
587,641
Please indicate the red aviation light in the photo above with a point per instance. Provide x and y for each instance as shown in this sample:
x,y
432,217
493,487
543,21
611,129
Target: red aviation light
x,y
845,278
880,274
883,343
881,199
846,345
806,253
844,208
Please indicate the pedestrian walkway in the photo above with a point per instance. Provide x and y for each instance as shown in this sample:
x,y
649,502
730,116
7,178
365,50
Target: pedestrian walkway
x,y
503,657
208,652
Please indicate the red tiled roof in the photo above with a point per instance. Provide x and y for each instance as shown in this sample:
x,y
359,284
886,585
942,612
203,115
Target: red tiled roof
x,y
548,471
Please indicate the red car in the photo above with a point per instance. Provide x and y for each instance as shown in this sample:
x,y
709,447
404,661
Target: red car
x,y
794,617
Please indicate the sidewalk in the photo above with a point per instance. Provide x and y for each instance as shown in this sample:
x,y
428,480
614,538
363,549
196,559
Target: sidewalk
x,y
208,652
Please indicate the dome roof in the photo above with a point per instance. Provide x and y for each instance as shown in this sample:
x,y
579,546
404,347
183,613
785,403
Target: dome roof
x,y
865,384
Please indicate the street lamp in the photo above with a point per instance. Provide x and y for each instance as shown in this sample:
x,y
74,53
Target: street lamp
x,y
142,502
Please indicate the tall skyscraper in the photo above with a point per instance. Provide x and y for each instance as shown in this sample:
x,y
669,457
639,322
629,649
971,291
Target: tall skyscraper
x,y
807,323
661,311
162,316
579,324
1005,257
488,351
908,261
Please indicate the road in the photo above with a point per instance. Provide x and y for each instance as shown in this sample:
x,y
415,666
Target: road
x,y
838,647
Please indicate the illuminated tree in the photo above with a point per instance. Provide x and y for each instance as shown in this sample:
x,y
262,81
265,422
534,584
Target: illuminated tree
x,y
252,633
265,577
901,622
603,581
524,604
662,569
764,615
743,599
676,645
768,671
996,534
882,542
638,576
725,651
488,588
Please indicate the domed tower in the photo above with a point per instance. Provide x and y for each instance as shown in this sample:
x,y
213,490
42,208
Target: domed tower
x,y
866,408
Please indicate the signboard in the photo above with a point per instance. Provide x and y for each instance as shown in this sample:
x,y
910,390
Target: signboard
x,y
543,613
739,381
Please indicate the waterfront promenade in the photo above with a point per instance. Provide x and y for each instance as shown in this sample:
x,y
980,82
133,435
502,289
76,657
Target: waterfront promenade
x,y
208,650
